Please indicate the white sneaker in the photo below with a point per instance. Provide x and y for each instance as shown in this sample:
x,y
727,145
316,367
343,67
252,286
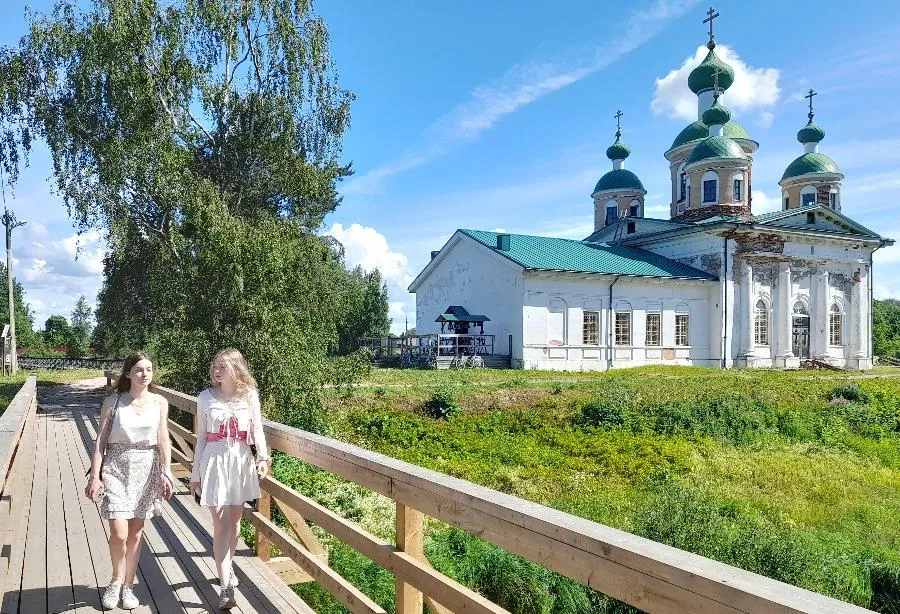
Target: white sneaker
x,y
111,595
129,600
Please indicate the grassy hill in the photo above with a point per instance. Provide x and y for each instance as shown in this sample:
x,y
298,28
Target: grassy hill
x,y
795,475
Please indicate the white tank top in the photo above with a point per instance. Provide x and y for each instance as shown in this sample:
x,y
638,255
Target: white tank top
x,y
135,426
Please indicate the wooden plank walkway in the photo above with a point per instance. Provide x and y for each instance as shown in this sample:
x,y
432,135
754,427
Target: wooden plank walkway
x,y
59,560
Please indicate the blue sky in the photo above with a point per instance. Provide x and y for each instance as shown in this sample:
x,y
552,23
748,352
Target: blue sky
x,y
497,115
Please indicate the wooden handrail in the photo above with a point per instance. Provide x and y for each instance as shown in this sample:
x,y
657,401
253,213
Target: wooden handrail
x,y
12,422
649,575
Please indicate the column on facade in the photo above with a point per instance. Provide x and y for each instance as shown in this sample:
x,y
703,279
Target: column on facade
x,y
748,307
819,315
858,313
782,310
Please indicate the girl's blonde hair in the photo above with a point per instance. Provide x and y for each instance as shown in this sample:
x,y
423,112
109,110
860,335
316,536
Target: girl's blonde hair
x,y
237,366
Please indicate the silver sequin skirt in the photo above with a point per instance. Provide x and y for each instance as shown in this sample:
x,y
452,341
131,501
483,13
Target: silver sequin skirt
x,y
132,482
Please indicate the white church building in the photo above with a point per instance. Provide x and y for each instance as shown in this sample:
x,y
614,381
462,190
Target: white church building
x,y
713,285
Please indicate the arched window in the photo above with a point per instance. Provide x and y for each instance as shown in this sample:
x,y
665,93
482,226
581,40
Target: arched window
x,y
682,183
800,309
761,323
612,211
710,185
738,187
807,196
835,326
634,210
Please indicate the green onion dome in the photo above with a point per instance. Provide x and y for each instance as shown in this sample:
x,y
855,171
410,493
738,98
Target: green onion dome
x,y
619,179
618,151
811,163
703,77
717,148
810,133
716,115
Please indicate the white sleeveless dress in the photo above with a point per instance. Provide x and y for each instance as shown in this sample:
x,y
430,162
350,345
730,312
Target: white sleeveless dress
x,y
132,470
226,469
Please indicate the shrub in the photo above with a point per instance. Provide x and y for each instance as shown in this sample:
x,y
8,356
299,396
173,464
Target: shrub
x,y
442,405
849,392
612,409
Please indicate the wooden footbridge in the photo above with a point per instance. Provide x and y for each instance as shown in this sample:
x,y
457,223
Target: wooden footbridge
x,y
54,558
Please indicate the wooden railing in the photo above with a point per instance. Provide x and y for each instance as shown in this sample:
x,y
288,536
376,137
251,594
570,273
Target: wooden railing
x,y
648,575
443,344
15,489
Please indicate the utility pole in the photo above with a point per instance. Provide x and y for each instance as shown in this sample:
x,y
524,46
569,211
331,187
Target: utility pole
x,y
11,223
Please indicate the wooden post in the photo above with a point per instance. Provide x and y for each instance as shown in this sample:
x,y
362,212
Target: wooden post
x,y
410,539
263,544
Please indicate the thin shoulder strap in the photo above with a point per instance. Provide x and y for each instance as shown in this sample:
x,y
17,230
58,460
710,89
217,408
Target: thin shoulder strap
x,y
112,418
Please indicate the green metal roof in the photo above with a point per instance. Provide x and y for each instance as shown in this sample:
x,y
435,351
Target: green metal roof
x,y
810,133
697,131
703,77
553,254
811,163
718,148
618,151
619,179
457,313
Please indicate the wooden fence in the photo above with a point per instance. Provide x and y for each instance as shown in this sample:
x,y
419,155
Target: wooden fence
x,y
648,575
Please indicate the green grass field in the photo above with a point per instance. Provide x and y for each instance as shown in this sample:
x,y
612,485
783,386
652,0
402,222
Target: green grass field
x,y
795,475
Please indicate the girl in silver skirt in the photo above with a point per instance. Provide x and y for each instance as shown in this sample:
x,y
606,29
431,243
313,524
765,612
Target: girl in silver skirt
x,y
129,471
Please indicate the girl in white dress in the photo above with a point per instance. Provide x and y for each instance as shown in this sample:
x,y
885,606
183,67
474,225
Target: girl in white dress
x,y
225,473
130,470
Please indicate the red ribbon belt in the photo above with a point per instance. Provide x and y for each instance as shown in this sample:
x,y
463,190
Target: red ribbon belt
x,y
228,430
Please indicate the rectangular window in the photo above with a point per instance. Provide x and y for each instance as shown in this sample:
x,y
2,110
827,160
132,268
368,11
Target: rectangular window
x,y
832,199
807,199
835,323
591,329
633,210
612,214
681,329
682,188
810,218
623,328
737,190
654,321
631,228
787,203
709,191
761,327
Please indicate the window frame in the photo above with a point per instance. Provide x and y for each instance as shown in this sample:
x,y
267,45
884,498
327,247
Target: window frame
x,y
835,326
761,323
648,340
585,333
682,337
715,190
622,335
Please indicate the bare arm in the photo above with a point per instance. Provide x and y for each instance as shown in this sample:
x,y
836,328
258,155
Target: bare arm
x,y
106,416
259,435
201,437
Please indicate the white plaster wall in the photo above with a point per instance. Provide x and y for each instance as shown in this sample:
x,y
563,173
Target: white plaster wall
x,y
582,292
468,274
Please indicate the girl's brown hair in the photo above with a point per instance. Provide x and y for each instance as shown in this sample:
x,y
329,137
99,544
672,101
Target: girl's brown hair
x,y
123,382
237,366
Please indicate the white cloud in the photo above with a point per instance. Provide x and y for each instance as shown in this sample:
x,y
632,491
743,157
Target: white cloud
x,y
763,203
753,88
765,119
366,247
522,84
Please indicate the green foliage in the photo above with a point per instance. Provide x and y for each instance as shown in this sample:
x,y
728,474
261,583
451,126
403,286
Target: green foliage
x,y
849,392
364,309
57,331
886,327
442,405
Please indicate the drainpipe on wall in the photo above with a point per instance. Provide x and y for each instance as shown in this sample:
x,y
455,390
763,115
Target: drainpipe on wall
x,y
725,299
609,326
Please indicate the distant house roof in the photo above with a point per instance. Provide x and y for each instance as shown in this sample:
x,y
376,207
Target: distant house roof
x,y
553,254
455,313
